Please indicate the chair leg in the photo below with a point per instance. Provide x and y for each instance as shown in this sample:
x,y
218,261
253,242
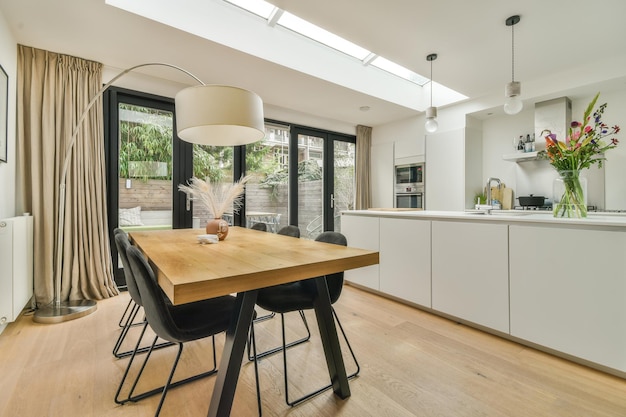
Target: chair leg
x,y
131,317
265,317
123,323
169,380
320,390
138,397
256,370
130,362
288,345
129,323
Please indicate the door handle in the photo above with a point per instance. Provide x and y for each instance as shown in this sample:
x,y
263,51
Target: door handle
x,y
187,202
332,201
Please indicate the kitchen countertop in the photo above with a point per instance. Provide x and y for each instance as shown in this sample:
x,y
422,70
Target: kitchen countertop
x,y
506,216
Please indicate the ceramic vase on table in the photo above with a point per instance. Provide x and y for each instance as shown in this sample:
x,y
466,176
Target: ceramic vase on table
x,y
217,227
569,195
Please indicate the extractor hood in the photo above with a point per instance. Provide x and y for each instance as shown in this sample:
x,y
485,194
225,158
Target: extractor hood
x,y
554,115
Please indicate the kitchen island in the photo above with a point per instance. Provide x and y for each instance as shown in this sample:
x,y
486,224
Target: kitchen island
x,y
555,284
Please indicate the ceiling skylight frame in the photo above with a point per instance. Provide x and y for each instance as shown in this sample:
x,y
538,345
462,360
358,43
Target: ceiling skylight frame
x,y
274,15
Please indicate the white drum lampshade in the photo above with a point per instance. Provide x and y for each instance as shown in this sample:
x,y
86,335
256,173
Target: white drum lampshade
x,y
219,115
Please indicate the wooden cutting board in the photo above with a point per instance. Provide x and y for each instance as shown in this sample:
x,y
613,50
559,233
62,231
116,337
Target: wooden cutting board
x,y
504,195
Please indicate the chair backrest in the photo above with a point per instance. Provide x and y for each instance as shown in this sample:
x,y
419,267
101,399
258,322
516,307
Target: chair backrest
x,y
154,305
333,281
122,243
290,230
259,226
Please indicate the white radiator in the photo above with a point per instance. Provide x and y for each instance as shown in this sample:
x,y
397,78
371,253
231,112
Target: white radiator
x,y
16,266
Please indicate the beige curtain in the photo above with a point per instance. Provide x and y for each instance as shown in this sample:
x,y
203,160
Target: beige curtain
x,y
52,91
363,160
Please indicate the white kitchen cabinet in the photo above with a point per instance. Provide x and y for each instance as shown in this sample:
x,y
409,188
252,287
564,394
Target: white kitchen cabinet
x,y
568,291
470,272
453,169
381,175
405,259
413,148
362,232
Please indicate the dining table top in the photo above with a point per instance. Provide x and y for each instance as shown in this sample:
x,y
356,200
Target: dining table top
x,y
189,271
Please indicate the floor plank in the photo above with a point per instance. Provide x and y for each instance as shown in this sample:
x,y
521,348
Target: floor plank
x,y
412,364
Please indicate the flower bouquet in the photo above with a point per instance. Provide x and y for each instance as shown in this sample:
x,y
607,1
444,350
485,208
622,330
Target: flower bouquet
x,y
583,147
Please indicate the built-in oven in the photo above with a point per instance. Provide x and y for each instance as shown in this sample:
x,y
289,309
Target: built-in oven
x,y
409,196
409,186
409,174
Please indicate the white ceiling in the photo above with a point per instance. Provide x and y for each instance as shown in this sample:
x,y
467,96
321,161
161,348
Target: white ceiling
x,y
470,37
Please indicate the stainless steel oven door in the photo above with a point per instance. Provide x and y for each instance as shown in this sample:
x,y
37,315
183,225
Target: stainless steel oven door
x,y
413,200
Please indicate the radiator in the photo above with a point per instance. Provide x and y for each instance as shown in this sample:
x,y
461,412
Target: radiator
x,y
16,266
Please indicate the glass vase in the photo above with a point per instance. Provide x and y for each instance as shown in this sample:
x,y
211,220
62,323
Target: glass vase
x,y
569,195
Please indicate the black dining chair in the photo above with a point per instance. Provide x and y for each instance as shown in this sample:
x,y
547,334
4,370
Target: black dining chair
x,y
183,323
129,307
293,231
259,226
299,296
122,243
289,230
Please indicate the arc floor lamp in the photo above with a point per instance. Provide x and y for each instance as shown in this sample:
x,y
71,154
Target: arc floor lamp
x,y
206,114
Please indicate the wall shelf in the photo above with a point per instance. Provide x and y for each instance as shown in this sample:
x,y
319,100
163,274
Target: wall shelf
x,y
521,156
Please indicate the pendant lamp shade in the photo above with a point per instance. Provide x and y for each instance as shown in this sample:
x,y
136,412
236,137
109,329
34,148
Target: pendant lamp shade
x,y
219,115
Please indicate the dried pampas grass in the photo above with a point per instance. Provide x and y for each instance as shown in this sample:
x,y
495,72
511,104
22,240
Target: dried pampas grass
x,y
217,198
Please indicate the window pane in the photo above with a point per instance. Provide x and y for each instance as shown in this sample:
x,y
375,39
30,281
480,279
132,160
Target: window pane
x,y
310,186
214,164
145,161
267,193
344,154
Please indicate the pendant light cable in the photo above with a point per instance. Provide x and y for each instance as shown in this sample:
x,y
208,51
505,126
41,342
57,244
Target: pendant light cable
x,y
431,124
513,52
513,104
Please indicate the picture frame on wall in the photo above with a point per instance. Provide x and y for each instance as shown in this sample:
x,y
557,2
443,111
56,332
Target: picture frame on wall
x,y
4,109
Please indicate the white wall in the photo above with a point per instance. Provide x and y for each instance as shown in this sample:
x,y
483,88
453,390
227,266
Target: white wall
x,y
498,130
605,191
8,60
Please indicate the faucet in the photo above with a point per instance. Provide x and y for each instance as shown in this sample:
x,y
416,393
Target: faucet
x,y
489,181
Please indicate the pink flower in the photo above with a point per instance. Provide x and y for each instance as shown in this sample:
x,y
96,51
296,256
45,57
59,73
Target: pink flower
x,y
576,135
587,129
575,124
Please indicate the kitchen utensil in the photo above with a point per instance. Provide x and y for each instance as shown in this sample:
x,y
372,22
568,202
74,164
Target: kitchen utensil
x,y
531,200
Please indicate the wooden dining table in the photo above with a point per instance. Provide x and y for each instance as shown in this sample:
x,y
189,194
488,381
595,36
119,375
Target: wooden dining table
x,y
244,262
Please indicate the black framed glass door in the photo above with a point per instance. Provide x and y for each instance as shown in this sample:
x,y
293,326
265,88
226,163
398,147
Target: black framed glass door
x,y
145,164
322,179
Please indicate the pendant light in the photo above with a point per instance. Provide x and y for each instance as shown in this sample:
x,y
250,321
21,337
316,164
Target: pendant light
x,y
431,124
513,104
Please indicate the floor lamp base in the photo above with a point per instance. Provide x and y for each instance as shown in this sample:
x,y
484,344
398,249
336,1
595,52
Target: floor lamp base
x,y
66,311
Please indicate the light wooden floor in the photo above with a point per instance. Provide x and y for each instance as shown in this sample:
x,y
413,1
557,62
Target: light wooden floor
x,y
413,364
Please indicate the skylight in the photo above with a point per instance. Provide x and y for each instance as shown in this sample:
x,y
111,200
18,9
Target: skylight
x,y
322,36
268,12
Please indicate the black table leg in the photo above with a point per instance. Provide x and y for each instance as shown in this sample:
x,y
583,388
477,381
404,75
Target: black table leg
x,y
330,340
230,364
